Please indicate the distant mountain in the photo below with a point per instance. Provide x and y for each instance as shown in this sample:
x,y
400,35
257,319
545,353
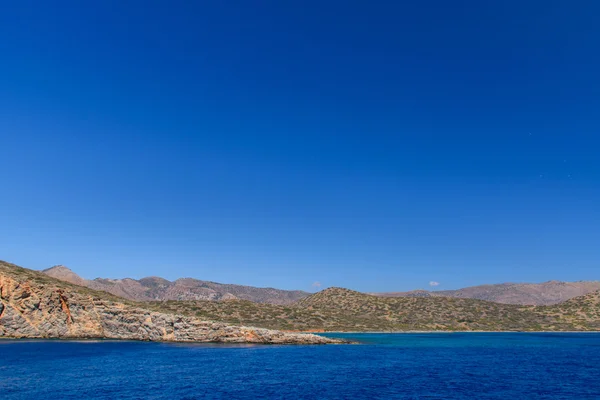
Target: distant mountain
x,y
65,274
155,288
535,294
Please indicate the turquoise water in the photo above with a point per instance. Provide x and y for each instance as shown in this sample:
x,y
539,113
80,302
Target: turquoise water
x,y
385,366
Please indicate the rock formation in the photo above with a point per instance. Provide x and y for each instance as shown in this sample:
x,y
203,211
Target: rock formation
x,y
33,305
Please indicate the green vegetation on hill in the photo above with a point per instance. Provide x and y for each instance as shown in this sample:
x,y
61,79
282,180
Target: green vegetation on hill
x,y
339,309
583,313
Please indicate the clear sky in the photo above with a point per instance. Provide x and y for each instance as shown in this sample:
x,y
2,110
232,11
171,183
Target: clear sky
x,y
372,145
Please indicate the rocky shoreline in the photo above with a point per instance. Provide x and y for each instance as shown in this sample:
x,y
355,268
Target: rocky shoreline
x,y
35,307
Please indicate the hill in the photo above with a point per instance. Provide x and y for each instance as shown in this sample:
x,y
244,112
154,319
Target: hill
x,y
333,309
536,294
338,309
156,288
581,312
34,305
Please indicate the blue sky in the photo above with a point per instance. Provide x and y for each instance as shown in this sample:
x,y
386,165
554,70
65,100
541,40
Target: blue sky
x,y
377,146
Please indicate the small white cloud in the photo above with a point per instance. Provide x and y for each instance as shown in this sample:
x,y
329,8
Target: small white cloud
x,y
434,283
316,285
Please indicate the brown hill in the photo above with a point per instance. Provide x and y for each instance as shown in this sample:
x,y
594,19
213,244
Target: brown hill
x,y
65,274
155,288
547,293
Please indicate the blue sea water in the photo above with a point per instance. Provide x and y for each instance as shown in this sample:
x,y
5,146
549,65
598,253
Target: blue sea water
x,y
385,366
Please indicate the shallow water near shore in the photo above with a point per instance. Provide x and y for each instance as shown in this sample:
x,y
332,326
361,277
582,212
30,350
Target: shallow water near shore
x,y
384,366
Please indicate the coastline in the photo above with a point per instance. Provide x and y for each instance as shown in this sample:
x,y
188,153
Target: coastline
x,y
339,341
334,341
414,332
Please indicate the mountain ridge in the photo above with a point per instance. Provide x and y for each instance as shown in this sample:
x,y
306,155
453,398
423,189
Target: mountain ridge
x,y
157,288
544,293
154,288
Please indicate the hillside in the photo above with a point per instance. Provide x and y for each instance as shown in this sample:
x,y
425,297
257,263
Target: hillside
x,y
156,288
428,313
34,305
333,309
582,312
536,294
337,309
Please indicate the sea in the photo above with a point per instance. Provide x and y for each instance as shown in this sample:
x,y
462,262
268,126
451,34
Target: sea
x,y
383,366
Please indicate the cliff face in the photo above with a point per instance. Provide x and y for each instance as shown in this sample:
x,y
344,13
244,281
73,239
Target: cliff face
x,y
40,307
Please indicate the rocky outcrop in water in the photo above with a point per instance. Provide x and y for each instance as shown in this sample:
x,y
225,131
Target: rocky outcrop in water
x,y
33,305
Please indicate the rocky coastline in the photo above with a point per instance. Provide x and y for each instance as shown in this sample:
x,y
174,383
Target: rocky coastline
x,y
39,307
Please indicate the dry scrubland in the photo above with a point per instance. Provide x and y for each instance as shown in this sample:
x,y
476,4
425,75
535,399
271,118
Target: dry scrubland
x,y
337,309
35,295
